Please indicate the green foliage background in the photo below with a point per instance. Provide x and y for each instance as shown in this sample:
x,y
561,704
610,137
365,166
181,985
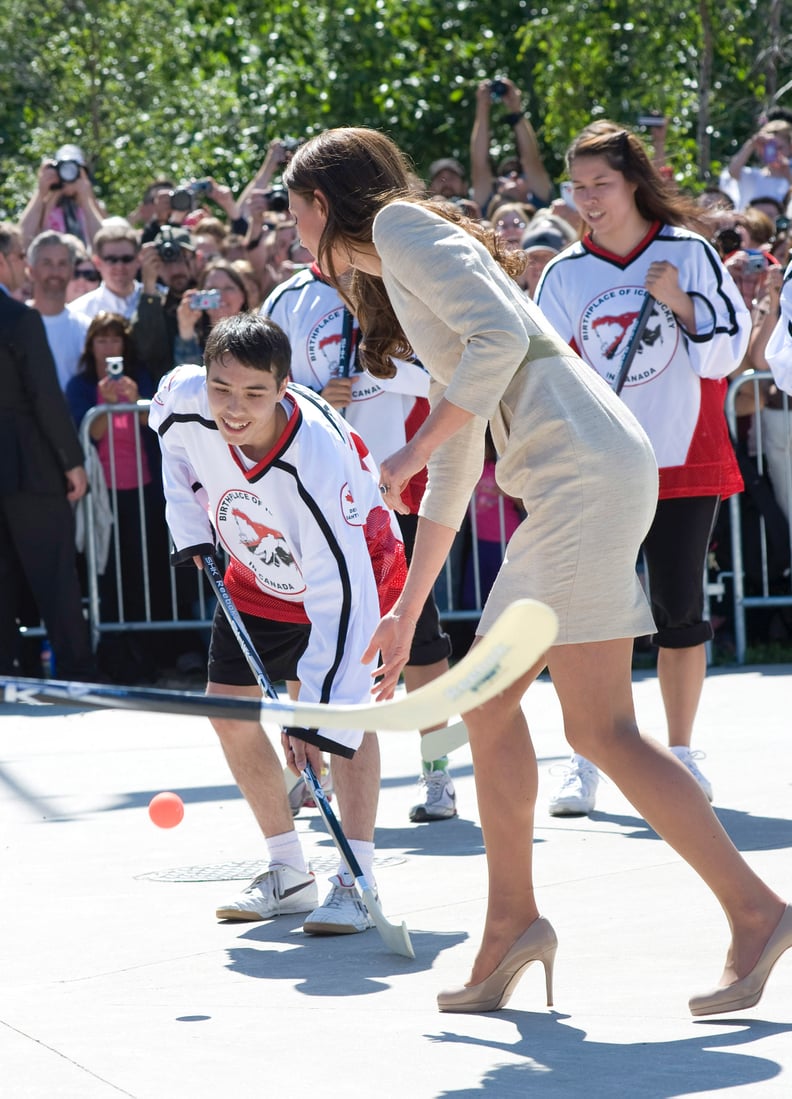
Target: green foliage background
x,y
201,86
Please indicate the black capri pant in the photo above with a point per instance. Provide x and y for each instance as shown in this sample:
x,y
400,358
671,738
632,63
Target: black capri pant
x,y
675,550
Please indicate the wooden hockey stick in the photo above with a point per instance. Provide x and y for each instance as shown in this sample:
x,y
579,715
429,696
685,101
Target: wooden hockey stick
x,y
395,938
635,342
519,638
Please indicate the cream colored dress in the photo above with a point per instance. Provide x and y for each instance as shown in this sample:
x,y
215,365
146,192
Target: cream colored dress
x,y
568,447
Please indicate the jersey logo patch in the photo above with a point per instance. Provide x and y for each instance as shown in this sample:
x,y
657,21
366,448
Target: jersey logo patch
x,y
349,508
606,328
244,524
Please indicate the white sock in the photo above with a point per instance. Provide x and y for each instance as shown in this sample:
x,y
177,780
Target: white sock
x,y
364,853
286,850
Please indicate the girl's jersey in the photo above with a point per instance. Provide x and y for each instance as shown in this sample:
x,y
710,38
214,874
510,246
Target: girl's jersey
x,y
308,536
676,384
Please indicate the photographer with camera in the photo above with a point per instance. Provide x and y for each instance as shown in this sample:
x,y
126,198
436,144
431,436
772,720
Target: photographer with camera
x,y
279,153
167,270
64,199
772,146
520,179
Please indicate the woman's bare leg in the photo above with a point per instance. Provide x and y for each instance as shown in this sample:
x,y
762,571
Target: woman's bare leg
x,y
504,766
593,682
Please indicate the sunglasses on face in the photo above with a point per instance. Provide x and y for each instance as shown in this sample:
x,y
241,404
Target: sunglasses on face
x,y
88,274
113,260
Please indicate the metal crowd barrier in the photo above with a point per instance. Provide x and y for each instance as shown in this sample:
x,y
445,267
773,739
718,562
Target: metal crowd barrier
x,y
99,622
448,590
774,590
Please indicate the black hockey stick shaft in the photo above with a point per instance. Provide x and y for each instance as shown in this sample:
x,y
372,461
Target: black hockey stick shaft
x,y
256,665
397,938
634,344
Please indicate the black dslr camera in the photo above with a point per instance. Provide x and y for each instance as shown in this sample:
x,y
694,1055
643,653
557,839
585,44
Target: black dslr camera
x,y
498,89
168,249
277,200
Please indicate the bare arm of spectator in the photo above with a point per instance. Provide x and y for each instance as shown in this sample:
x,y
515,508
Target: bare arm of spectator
x,y
89,204
742,156
658,136
224,197
527,145
41,202
766,322
481,177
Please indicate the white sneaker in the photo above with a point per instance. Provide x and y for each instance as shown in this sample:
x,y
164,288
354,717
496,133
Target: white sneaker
x,y
341,913
686,756
439,798
577,793
279,890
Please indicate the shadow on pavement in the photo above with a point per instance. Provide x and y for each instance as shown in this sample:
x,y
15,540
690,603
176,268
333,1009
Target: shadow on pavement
x,y
562,1061
333,965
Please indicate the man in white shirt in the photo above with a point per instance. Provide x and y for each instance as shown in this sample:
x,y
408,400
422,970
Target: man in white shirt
x,y
51,256
117,257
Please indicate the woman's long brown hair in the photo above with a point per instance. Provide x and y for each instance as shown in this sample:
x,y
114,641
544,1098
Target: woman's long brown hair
x,y
358,171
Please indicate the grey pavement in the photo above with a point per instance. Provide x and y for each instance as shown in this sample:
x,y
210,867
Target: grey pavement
x,y
116,979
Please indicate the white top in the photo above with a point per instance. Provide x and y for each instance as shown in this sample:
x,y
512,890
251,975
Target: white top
x,y
66,337
103,299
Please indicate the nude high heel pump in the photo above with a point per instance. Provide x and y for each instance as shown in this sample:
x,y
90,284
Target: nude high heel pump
x,y
748,991
537,944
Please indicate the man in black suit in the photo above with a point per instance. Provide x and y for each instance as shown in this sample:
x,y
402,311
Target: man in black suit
x,y
41,473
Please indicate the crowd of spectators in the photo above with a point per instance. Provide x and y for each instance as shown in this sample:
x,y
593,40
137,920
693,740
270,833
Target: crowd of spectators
x,y
156,280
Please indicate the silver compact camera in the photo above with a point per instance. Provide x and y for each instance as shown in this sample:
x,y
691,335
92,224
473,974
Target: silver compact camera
x,y
206,299
114,366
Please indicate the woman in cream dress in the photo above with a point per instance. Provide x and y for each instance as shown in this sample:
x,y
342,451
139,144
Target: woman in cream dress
x,y
424,280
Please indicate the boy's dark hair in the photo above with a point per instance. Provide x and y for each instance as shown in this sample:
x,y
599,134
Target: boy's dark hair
x,y
253,341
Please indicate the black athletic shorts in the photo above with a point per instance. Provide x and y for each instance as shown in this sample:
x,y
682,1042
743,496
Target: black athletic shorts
x,y
675,551
430,642
279,644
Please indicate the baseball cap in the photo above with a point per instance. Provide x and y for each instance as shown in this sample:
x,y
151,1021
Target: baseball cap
x,y
71,152
446,164
545,237
176,235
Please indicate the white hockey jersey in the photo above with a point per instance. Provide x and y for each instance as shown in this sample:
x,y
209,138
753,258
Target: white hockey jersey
x,y
385,412
676,384
308,536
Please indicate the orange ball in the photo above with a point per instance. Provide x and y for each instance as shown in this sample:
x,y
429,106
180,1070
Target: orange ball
x,y
166,810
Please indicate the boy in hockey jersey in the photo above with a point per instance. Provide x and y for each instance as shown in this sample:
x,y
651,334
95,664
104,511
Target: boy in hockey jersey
x,y
269,471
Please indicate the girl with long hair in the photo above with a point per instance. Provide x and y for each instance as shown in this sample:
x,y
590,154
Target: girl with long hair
x,y
638,241
424,279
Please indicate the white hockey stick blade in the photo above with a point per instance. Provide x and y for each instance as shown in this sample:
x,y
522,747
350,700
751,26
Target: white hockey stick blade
x,y
396,937
519,638
522,634
439,742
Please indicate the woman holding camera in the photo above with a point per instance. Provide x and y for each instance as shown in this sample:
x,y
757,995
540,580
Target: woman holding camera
x,y
109,374
220,293
636,251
